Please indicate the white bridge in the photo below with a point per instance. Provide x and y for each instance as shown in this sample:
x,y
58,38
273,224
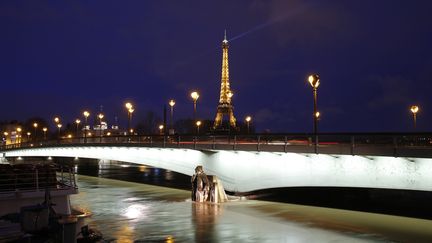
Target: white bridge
x,y
243,171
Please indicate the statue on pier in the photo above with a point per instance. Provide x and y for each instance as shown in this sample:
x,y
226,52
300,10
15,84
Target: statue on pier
x,y
200,185
207,188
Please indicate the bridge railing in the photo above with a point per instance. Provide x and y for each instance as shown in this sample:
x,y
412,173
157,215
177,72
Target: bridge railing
x,y
392,144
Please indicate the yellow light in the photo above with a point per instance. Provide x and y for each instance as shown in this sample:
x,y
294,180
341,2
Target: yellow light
x,y
89,134
161,127
142,168
19,129
5,133
45,129
59,125
230,94
169,238
128,105
35,125
77,121
101,115
198,123
317,114
69,135
414,109
194,95
86,114
172,103
314,80
108,133
28,133
56,119
131,131
248,119
131,110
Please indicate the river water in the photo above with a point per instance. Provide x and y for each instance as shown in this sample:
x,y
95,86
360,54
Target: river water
x,y
135,212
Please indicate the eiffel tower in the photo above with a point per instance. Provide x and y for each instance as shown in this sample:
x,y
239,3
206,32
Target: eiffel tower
x,y
225,106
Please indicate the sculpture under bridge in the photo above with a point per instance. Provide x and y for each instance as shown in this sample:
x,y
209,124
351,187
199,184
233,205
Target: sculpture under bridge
x,y
244,171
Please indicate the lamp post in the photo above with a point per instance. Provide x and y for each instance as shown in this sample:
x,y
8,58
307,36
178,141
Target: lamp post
x,y
171,104
130,110
86,114
194,95
100,116
77,122
5,137
314,81
59,126
414,109
198,124
56,119
28,136
248,120
19,138
161,127
44,132
35,126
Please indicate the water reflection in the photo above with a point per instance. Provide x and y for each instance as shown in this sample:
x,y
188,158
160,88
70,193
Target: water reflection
x,y
204,216
135,211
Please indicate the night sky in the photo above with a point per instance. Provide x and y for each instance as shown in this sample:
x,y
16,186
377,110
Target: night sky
x,y
374,59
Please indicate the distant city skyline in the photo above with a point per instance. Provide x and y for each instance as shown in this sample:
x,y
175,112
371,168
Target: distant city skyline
x,y
374,60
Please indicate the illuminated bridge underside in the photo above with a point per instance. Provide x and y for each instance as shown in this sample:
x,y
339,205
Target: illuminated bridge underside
x,y
248,171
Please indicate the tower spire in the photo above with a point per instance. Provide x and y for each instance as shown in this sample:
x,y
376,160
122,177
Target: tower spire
x,y
225,106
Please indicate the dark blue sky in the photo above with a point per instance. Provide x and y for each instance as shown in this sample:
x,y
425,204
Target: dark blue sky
x,y
374,59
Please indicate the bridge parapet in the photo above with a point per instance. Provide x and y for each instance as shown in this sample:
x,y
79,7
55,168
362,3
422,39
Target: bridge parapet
x,y
373,144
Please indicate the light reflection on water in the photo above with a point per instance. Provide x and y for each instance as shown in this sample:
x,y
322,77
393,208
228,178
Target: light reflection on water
x,y
131,212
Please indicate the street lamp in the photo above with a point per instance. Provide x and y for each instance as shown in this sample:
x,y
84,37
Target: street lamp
x,y
130,110
77,122
314,81
100,116
19,134
248,120
35,125
59,128
56,119
171,104
414,109
28,136
198,124
194,95
161,127
5,134
44,132
86,114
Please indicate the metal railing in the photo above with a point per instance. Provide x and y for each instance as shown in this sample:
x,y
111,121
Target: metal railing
x,y
391,144
31,178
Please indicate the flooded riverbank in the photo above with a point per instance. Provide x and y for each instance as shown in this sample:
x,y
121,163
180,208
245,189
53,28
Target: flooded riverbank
x,y
128,212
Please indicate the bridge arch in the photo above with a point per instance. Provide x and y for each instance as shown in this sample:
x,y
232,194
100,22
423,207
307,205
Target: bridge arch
x,y
243,171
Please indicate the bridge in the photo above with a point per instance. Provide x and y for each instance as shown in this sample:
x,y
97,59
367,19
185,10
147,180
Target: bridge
x,y
253,162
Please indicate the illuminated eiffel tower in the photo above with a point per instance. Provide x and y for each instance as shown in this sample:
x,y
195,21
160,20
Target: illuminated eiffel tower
x,y
225,106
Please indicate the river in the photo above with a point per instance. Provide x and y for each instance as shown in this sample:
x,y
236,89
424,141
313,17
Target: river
x,y
135,212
